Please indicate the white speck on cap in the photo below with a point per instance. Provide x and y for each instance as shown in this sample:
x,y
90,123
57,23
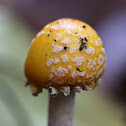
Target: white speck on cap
x,y
32,40
96,43
67,24
78,47
64,58
78,60
72,50
77,89
87,87
51,76
69,67
91,64
73,74
65,90
89,75
82,73
91,41
69,32
103,50
56,60
65,41
99,72
53,44
97,67
58,36
76,34
81,36
57,49
53,91
55,27
53,69
90,50
40,33
101,60
100,39
49,62
46,26
60,72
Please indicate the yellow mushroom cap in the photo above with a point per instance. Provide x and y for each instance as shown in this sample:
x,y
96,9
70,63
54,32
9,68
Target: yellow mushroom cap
x,y
65,53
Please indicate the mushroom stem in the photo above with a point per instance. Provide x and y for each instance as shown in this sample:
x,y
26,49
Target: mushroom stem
x,y
61,110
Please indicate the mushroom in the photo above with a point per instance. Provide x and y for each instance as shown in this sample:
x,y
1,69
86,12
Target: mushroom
x,y
65,57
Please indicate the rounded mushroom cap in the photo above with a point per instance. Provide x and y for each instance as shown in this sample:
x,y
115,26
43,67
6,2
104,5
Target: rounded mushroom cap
x,y
66,53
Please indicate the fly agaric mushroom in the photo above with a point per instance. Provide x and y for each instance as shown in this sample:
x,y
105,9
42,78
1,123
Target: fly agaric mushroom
x,y
66,56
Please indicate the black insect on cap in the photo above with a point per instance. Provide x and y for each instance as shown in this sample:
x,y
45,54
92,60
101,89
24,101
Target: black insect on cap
x,y
81,39
81,48
50,90
78,69
65,47
82,43
86,39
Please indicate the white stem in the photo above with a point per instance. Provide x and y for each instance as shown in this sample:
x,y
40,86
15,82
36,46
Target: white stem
x,y
61,110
